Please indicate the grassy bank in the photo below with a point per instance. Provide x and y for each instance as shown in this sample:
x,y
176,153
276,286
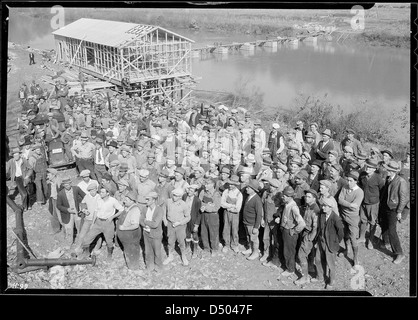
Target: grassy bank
x,y
386,25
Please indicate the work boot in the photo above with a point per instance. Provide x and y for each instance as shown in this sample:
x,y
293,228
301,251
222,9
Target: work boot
x,y
355,255
265,256
254,255
109,253
399,259
169,259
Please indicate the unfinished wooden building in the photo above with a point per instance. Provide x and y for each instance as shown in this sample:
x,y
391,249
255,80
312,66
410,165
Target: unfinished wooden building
x,y
144,59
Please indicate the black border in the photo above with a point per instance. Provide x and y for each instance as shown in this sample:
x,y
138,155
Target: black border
x,y
264,302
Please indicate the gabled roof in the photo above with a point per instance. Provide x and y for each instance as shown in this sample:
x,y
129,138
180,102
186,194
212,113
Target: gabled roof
x,y
107,32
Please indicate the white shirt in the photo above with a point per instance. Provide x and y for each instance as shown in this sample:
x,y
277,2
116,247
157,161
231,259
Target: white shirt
x,y
106,209
19,168
97,161
148,216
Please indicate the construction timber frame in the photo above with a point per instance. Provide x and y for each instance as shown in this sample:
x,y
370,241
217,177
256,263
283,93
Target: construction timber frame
x,y
150,61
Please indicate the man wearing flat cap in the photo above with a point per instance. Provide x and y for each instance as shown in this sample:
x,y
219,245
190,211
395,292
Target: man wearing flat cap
x,y
37,161
86,181
337,182
309,212
394,199
129,231
145,184
271,200
324,146
194,204
330,232
301,185
350,200
324,191
84,153
175,219
387,155
123,190
371,183
151,222
291,224
349,140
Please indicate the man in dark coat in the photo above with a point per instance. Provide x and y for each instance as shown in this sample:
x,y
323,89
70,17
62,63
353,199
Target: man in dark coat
x,y
329,235
31,58
193,201
324,146
68,203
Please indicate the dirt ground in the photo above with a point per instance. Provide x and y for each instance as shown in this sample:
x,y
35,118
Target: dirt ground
x,y
225,272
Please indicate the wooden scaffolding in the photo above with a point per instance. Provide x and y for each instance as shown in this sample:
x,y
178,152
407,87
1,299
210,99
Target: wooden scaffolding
x,y
148,60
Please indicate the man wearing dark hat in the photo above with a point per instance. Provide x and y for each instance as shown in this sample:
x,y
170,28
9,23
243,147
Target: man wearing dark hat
x,y
349,140
179,181
330,232
350,200
231,201
122,173
387,155
152,166
291,224
163,187
113,154
19,170
300,186
252,214
271,200
371,183
394,198
151,222
209,226
68,204
129,231
324,146
309,212
315,175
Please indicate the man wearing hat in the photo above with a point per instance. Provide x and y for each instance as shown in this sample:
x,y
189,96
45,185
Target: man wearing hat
x,y
324,191
84,153
108,209
123,190
20,172
179,181
271,200
265,171
300,132
88,208
387,155
221,184
324,146
309,145
163,187
100,155
194,204
126,157
145,184
371,183
360,160
300,186
291,224
374,154
209,226
51,194
309,212
275,141
347,159
175,219
349,140
129,231
252,214
86,181
152,166
109,184
350,200
68,204
151,222
231,201
393,201
113,154
293,170
337,182
330,232
37,161
122,173
314,129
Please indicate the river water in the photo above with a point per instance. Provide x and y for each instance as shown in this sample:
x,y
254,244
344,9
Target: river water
x,y
345,74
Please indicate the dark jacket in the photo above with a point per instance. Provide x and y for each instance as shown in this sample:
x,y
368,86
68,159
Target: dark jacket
x,y
395,194
195,215
322,152
371,187
332,231
253,211
155,224
62,202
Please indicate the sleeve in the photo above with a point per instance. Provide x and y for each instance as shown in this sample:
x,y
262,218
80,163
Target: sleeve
x,y
224,204
313,232
117,205
60,205
341,200
258,211
403,196
339,228
300,223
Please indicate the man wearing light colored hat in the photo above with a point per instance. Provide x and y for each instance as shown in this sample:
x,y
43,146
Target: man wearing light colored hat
x,y
330,232
84,183
144,185
84,154
151,221
231,201
394,201
325,145
350,200
275,141
123,190
175,219
291,224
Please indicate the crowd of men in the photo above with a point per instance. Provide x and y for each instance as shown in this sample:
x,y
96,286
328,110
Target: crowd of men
x,y
209,178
